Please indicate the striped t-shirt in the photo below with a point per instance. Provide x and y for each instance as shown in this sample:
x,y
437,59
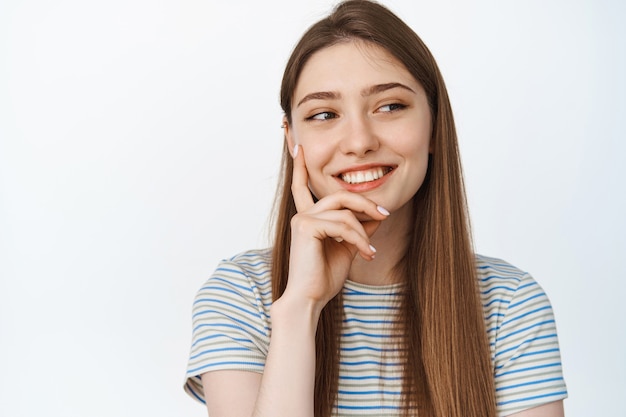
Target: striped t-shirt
x,y
232,326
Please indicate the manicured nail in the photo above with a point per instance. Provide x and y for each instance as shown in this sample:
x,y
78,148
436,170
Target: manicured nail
x,y
295,150
338,239
382,210
373,249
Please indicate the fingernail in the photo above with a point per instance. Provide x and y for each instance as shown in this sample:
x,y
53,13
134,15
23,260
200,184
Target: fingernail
x,y
338,239
382,210
373,249
295,150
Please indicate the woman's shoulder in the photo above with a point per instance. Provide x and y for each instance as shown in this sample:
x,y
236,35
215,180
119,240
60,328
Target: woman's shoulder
x,y
495,270
252,263
255,260
247,272
510,294
497,266
522,336
498,278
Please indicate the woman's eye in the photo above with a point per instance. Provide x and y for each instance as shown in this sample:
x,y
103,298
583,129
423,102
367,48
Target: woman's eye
x,y
388,108
326,115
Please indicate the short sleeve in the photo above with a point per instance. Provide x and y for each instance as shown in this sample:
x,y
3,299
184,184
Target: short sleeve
x,y
527,359
230,324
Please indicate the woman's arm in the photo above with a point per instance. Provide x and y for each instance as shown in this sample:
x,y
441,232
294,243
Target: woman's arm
x,y
287,384
230,393
553,409
287,387
326,236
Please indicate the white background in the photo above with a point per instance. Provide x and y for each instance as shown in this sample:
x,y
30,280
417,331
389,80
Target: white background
x,y
139,144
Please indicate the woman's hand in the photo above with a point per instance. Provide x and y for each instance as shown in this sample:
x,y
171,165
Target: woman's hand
x,y
325,238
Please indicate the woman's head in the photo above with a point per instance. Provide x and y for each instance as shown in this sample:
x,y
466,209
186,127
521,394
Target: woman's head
x,y
367,23
364,124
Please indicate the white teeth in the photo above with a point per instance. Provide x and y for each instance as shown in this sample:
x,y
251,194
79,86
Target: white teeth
x,y
359,177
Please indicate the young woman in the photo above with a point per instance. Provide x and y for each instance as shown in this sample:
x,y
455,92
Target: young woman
x,y
371,300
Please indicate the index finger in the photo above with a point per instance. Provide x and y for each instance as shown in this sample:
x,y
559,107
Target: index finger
x,y
300,182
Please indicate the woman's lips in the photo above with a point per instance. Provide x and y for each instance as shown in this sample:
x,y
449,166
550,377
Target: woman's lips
x,y
365,178
366,175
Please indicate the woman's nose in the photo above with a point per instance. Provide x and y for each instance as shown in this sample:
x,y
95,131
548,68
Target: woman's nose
x,y
358,137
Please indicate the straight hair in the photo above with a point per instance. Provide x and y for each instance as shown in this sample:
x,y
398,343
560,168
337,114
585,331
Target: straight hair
x,y
447,370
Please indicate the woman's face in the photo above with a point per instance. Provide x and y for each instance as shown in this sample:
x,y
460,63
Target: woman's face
x,y
363,122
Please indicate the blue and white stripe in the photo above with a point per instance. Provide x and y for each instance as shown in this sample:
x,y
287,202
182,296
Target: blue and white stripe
x,y
232,326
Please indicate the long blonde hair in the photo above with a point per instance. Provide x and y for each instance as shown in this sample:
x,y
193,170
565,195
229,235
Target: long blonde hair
x,y
447,366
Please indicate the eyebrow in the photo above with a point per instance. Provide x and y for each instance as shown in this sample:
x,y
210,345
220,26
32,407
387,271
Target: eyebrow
x,y
332,95
322,95
379,88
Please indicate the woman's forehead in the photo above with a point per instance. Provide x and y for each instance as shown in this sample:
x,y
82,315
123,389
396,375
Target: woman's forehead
x,y
351,65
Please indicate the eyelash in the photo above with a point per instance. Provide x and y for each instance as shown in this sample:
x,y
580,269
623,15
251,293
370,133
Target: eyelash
x,y
393,107
329,115
316,116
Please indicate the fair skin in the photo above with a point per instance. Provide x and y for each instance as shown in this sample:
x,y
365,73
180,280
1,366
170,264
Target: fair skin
x,y
359,114
360,136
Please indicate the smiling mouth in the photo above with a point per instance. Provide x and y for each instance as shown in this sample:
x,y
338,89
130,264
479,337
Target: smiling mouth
x,y
367,175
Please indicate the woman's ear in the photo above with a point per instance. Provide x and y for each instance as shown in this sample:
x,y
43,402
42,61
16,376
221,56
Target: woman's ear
x,y
288,135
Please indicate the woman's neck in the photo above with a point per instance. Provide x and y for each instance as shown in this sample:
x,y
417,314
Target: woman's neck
x,y
391,241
